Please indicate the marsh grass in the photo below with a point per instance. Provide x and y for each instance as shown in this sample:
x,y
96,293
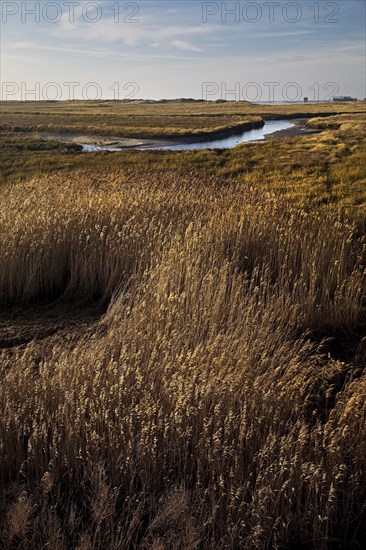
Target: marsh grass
x,y
214,394
320,171
201,410
138,119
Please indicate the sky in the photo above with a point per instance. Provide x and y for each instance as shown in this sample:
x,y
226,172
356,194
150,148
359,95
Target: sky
x,y
120,49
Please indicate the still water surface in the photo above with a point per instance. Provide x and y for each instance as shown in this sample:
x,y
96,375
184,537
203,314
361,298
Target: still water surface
x,y
228,142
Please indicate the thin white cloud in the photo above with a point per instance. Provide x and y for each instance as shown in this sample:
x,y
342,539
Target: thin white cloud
x,y
106,31
99,52
332,52
279,34
185,46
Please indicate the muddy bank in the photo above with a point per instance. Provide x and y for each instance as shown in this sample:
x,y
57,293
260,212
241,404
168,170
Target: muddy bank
x,y
299,128
22,324
95,140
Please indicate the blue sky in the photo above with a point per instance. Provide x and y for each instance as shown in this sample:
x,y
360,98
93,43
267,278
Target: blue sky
x,y
164,49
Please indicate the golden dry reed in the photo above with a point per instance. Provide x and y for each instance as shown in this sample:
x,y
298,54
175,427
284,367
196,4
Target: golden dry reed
x,y
204,409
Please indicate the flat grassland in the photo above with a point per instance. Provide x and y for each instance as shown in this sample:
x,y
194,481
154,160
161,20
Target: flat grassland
x,y
183,334
148,120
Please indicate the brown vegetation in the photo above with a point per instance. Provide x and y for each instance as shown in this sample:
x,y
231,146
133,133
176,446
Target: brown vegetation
x,y
146,120
204,409
182,343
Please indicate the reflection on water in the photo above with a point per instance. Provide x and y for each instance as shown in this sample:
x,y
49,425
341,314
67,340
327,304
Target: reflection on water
x,y
93,148
229,142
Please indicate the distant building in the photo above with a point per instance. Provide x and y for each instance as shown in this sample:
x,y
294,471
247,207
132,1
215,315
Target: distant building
x,y
306,99
344,98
